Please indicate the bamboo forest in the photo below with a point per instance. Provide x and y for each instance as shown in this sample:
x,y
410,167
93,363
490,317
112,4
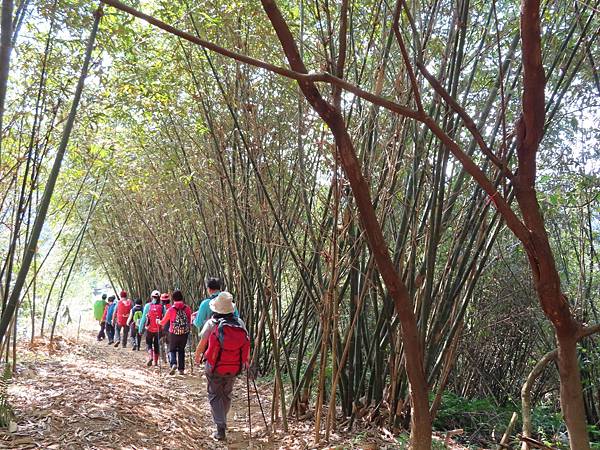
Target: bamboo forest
x,y
300,224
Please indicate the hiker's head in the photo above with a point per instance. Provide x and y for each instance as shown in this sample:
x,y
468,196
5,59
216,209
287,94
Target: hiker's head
x,y
213,285
123,294
177,296
165,298
155,295
138,301
103,296
111,299
222,303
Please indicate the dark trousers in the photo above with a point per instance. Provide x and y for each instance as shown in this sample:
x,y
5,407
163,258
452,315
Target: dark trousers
x,y
219,389
136,337
125,330
177,344
101,334
152,342
110,332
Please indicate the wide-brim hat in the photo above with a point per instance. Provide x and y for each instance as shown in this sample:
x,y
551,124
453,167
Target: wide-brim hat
x,y
222,303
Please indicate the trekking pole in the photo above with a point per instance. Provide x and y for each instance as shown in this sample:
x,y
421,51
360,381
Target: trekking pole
x,y
191,357
159,357
260,404
248,392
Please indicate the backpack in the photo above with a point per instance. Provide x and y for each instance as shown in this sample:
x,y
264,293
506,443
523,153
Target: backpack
x,y
155,312
181,324
228,347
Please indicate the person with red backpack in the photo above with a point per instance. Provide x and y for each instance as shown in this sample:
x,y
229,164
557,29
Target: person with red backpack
x,y
122,311
180,317
225,346
163,338
150,321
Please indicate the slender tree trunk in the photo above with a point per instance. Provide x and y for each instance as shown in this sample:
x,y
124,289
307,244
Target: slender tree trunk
x,y
40,218
5,50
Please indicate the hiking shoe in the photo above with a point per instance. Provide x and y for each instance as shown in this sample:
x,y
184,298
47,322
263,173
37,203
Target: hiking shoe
x,y
117,344
173,369
133,348
149,363
182,372
219,435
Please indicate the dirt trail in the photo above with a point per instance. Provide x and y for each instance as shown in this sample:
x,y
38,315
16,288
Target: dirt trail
x,y
94,396
88,395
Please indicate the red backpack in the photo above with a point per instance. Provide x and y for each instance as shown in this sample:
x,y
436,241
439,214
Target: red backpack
x,y
155,312
228,347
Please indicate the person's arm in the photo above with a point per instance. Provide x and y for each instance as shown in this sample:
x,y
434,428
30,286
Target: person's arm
x,y
166,318
129,318
143,319
203,344
104,313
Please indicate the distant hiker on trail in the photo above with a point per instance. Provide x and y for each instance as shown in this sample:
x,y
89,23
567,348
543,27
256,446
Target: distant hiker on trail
x,y
124,306
225,346
109,319
213,287
132,322
99,311
163,339
150,321
180,316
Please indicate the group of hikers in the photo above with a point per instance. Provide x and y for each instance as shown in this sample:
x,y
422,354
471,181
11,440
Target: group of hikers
x,y
166,319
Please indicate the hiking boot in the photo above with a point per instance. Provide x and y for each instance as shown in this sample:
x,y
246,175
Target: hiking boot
x,y
149,363
219,435
110,342
117,344
182,372
133,348
173,369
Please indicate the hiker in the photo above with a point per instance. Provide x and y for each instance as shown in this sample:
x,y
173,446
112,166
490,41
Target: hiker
x,y
133,320
150,321
124,306
180,316
213,287
99,308
225,346
163,339
109,313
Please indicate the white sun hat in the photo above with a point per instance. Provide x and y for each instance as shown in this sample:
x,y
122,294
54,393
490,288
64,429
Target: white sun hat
x,y
222,304
155,293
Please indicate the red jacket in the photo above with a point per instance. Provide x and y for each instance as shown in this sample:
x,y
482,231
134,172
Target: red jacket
x,y
123,310
172,312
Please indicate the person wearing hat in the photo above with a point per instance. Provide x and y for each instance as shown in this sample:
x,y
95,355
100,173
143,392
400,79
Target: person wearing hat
x,y
152,314
108,319
124,306
225,347
213,287
99,308
165,299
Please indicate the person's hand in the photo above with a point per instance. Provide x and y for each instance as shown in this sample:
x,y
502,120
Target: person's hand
x,y
194,314
198,358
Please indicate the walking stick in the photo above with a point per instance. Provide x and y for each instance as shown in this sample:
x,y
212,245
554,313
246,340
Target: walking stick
x,y
260,403
248,392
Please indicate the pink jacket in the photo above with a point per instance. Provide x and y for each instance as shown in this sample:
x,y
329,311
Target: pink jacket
x,y
172,312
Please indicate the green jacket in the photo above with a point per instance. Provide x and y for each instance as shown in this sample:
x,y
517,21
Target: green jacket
x,y
99,309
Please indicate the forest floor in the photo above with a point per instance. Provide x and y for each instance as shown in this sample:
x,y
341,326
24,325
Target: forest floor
x,y
88,395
